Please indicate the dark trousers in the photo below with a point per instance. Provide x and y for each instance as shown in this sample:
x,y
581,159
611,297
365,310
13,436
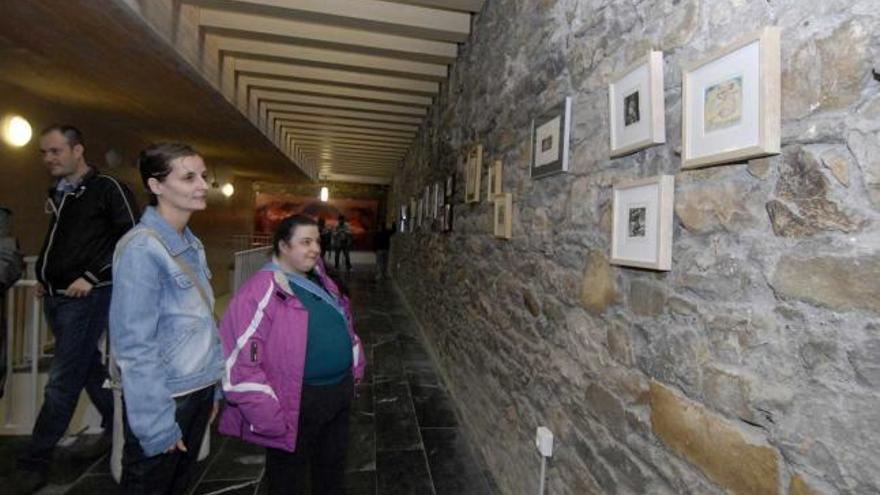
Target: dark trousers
x,y
345,252
167,473
77,324
321,444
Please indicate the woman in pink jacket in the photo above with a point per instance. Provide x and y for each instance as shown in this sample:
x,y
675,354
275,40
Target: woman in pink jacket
x,y
292,360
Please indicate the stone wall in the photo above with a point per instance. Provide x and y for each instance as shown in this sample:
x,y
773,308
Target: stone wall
x,y
753,366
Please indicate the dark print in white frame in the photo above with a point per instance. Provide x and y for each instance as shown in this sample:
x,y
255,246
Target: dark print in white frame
x,y
447,218
473,170
503,221
413,212
450,184
493,180
642,230
637,117
550,141
731,108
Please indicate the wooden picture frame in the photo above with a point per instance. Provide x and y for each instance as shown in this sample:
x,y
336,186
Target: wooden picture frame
x,y
473,171
551,133
731,108
637,116
503,221
493,180
642,223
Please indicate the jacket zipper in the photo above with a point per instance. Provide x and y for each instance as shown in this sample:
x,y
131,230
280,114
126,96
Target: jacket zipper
x,y
52,238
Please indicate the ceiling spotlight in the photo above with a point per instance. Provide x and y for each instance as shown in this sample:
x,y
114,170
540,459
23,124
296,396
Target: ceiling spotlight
x,y
16,131
325,194
227,190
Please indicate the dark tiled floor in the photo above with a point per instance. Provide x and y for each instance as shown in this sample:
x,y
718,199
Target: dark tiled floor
x,y
405,436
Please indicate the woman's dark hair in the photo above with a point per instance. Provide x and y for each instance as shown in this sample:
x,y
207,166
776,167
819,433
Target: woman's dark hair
x,y
286,229
155,162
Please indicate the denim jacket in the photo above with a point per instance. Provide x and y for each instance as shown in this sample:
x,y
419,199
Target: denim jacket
x,y
162,333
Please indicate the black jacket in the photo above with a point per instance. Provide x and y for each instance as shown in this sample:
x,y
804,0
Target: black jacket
x,y
83,231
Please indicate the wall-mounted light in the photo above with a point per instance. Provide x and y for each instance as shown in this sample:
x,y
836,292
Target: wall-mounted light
x,y
325,194
16,130
228,190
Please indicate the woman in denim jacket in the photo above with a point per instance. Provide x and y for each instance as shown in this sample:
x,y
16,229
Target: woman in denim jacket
x,y
162,329
292,360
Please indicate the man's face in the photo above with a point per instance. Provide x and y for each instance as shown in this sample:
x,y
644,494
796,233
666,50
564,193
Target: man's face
x,y
60,158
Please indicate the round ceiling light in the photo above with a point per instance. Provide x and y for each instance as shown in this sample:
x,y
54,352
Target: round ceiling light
x,y
17,131
228,190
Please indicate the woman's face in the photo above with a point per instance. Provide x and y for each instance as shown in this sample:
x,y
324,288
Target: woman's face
x,y
301,252
186,187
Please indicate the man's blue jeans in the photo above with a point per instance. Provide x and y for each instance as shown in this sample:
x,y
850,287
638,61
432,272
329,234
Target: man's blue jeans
x,y
77,324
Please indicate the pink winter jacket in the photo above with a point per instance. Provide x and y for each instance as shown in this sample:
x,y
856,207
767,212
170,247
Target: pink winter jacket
x,y
264,343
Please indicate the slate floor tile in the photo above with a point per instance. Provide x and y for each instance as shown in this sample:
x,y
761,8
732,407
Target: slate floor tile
x,y
454,468
402,472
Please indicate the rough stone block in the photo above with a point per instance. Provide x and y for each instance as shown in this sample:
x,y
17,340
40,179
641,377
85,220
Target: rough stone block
x,y
833,282
605,406
599,287
727,206
646,299
728,455
800,487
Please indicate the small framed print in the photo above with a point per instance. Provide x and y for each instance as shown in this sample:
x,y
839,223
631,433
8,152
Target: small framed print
x,y
450,184
731,108
550,141
402,219
438,199
637,116
413,212
642,230
473,171
426,199
503,225
421,214
493,180
446,224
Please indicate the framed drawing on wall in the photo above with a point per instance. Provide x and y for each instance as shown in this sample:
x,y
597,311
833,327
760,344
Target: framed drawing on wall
x,y
493,180
413,212
447,218
550,140
438,199
636,111
731,106
450,184
426,199
421,215
401,219
642,223
503,225
473,170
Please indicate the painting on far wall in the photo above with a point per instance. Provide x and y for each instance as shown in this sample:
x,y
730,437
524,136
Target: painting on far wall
x,y
362,214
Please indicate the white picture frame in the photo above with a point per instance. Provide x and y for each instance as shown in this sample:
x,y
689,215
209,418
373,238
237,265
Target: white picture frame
x,y
473,171
637,116
502,224
642,212
493,179
731,109
551,133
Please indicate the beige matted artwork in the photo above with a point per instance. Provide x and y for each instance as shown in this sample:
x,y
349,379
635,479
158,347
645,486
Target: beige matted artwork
x,y
731,106
637,117
473,169
503,224
493,180
642,228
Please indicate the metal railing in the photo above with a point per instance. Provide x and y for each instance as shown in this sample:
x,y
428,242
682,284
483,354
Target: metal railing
x,y
247,263
244,242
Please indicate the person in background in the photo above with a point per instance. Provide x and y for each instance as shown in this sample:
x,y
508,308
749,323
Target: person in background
x,y
326,235
292,361
163,334
89,212
11,267
382,245
342,241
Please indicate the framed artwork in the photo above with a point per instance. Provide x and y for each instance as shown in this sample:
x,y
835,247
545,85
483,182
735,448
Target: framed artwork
x,y
473,170
446,223
438,199
635,101
550,140
642,230
493,180
503,225
426,200
731,106
413,211
402,219
450,183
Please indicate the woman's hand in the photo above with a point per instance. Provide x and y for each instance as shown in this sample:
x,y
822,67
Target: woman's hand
x,y
177,446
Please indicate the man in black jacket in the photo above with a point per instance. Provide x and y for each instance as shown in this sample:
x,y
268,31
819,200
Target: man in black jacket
x,y
90,212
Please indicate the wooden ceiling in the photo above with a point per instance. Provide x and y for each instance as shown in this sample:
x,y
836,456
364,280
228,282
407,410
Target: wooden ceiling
x,y
339,86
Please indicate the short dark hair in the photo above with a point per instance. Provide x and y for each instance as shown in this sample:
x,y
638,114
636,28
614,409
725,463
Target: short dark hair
x,y
284,231
155,162
73,135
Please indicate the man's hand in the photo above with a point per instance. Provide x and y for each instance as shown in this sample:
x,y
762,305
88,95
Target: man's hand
x,y
79,288
177,446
